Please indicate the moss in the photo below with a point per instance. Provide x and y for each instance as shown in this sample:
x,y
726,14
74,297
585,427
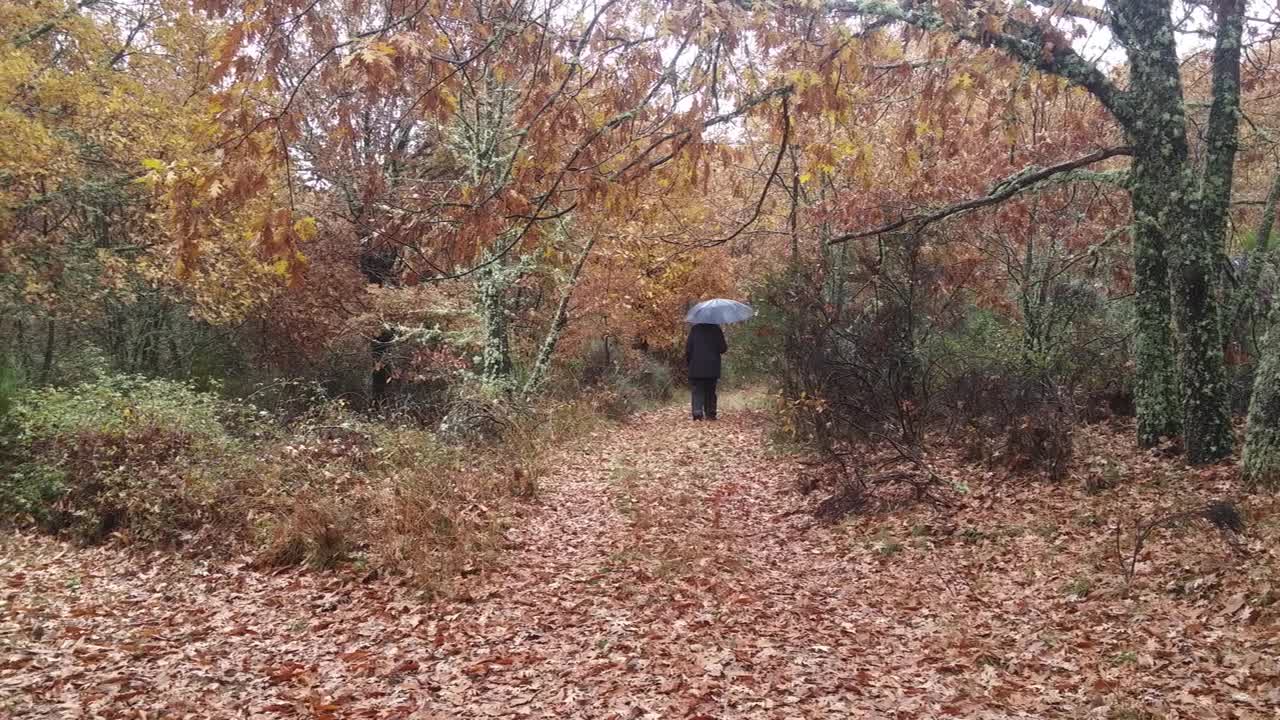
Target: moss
x,y
1156,391
1169,239
1261,461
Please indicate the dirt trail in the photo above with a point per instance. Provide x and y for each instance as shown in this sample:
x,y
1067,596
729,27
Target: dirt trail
x,y
659,575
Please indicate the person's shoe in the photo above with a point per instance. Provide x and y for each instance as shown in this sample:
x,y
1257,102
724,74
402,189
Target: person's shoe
x,y
697,417
711,417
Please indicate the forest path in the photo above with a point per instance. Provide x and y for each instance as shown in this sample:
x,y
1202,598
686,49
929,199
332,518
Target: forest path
x,y
659,574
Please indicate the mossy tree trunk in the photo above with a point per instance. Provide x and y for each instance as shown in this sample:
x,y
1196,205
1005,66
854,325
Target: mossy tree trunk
x,y
1261,460
492,283
481,137
1206,418
1245,299
1179,225
1156,387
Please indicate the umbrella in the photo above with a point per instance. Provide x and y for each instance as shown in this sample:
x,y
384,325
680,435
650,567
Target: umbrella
x,y
718,312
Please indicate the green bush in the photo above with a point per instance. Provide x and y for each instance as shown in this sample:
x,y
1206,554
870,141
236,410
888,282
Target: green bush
x,y
144,456
984,365
119,404
27,490
755,347
23,489
10,383
652,379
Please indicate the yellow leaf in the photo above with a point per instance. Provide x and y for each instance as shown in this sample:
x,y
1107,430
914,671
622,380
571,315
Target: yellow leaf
x,y
449,100
305,228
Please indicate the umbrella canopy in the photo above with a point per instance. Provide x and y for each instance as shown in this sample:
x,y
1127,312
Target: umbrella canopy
x,y
719,311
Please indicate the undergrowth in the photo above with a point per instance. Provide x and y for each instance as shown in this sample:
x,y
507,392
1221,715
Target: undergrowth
x,y
158,462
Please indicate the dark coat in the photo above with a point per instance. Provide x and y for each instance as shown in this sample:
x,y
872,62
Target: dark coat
x,y
703,350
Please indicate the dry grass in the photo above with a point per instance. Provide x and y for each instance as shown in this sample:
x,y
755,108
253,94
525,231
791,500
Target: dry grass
x,y
318,532
435,525
408,503
756,397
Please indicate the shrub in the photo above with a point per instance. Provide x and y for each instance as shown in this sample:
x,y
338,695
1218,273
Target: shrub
x,y
287,399
653,379
28,489
856,377
319,531
120,404
1042,441
124,453
438,521
755,348
436,509
475,415
19,495
10,383
315,483
854,368
1008,403
598,363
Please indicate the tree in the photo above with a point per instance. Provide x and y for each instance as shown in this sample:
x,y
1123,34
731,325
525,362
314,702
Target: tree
x,y
490,122
600,116
1180,205
559,318
107,105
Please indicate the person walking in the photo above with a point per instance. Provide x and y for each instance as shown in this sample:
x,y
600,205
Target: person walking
x,y
702,352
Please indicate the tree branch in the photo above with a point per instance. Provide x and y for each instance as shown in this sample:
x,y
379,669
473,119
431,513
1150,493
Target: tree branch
x,y
1005,189
47,26
558,322
1027,42
1073,9
768,181
747,104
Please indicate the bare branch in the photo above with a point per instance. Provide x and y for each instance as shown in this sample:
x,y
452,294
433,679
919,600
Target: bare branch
x,y
768,181
1005,189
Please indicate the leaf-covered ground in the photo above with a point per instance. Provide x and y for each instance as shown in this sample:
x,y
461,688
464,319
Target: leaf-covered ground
x,y
662,573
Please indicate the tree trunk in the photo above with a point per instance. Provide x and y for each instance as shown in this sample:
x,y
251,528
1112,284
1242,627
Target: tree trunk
x,y
1261,460
1165,217
837,261
1246,295
495,359
1170,214
1155,389
558,321
381,375
1206,419
46,367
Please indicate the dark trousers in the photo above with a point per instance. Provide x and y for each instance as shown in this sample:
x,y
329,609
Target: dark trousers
x,y
704,397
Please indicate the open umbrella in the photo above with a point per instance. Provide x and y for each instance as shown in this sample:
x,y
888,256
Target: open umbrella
x,y
719,311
